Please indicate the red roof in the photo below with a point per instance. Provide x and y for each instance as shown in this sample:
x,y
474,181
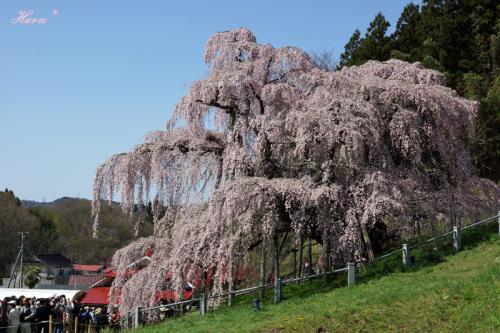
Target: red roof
x,y
128,272
91,268
97,296
100,296
83,280
170,295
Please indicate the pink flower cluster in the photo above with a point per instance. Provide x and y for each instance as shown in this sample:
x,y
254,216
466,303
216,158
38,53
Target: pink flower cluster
x,y
293,149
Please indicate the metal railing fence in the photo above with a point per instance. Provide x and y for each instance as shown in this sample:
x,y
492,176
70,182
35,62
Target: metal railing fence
x,y
406,250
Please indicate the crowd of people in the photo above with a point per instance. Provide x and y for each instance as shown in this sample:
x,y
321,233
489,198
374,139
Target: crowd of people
x,y
31,315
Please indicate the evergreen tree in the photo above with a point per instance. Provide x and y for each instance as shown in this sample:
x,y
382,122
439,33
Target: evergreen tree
x,y
407,38
346,58
374,46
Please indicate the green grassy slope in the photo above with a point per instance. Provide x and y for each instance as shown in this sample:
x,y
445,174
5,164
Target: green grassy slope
x,y
461,293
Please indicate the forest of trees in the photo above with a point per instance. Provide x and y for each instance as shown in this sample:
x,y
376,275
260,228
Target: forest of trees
x,y
65,227
461,39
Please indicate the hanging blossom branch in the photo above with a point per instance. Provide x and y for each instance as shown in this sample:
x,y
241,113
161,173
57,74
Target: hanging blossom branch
x,y
337,155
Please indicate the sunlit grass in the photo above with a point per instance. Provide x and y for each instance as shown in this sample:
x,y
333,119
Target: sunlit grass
x,y
441,292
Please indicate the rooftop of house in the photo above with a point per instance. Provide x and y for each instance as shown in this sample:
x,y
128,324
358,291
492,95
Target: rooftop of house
x,y
54,260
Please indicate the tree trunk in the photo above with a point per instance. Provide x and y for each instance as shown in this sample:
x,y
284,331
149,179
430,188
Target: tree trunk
x,y
235,277
263,266
326,254
368,242
230,279
211,285
294,263
203,282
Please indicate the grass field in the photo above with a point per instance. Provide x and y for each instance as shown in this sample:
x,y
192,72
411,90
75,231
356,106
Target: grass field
x,y
441,292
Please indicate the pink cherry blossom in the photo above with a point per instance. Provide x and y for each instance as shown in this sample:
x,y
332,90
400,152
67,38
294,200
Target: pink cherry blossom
x,y
292,148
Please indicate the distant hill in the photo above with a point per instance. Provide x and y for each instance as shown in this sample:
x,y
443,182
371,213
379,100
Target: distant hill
x,y
31,203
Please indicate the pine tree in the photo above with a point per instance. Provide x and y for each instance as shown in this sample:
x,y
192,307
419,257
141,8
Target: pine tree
x,y
346,58
407,38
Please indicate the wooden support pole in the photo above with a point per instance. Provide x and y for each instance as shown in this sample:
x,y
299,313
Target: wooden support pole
x,y
276,258
71,321
230,279
294,263
326,255
212,277
50,324
309,255
301,248
183,308
263,267
76,324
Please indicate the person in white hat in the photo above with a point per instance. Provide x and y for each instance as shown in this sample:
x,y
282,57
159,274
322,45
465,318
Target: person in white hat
x,y
13,317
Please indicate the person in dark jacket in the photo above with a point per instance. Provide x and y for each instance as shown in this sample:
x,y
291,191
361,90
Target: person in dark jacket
x,y
30,318
4,318
43,315
25,312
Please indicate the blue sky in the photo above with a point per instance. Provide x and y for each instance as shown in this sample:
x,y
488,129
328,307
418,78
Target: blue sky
x,y
93,79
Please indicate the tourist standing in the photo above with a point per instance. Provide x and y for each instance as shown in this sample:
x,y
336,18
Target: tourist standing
x,y
25,311
32,315
4,315
13,317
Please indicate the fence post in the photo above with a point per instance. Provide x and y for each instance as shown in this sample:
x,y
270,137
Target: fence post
x,y
351,269
50,324
76,324
277,290
499,222
138,316
406,255
203,304
123,322
129,321
457,244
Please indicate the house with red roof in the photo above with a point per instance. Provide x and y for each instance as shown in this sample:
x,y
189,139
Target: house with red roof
x,y
98,294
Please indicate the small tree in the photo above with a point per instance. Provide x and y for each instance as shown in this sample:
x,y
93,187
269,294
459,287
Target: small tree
x,y
31,276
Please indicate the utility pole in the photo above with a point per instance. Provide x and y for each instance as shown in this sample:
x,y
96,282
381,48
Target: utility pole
x,y
22,255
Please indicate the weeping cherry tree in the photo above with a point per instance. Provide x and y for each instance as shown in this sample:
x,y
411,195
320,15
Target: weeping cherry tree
x,y
273,146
